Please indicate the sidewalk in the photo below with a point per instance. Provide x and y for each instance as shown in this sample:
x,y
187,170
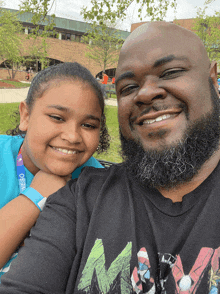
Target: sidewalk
x,y
18,95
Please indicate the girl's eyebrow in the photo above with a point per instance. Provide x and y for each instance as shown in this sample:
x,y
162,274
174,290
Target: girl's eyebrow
x,y
89,116
59,107
66,109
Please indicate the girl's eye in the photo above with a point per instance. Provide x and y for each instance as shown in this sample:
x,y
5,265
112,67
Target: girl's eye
x,y
89,126
55,117
128,90
172,74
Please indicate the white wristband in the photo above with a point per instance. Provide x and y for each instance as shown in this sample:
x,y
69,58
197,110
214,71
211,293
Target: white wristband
x,y
35,197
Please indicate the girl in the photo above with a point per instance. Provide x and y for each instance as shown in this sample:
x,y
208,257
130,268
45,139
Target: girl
x,y
62,123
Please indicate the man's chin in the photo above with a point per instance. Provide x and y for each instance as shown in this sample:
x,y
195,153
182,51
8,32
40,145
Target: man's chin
x,y
168,166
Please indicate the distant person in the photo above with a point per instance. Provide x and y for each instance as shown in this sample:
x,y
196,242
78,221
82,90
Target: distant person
x,y
104,78
28,76
151,224
55,137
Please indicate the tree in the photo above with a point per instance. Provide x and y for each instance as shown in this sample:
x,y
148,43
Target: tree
x,y
103,44
103,10
103,18
10,41
43,28
208,29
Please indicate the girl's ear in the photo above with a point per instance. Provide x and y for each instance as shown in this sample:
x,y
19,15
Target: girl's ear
x,y
24,116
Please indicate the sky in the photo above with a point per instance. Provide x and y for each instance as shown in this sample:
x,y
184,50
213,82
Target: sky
x,y
71,9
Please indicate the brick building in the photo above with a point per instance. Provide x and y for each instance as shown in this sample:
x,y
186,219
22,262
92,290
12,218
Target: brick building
x,y
66,47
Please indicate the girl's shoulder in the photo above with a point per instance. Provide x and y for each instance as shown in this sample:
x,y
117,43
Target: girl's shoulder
x,y
10,142
91,162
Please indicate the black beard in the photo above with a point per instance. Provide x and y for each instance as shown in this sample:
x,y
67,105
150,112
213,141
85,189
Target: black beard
x,y
179,163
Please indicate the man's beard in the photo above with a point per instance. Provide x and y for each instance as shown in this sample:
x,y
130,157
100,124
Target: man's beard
x,y
179,163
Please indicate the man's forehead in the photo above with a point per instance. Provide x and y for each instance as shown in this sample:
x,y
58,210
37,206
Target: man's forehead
x,y
155,41
158,29
160,34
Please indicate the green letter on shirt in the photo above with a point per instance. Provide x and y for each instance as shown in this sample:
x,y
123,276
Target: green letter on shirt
x,y
96,262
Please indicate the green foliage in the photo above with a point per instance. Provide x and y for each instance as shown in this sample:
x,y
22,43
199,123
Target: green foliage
x,y
103,10
10,41
207,28
208,2
103,44
102,39
43,27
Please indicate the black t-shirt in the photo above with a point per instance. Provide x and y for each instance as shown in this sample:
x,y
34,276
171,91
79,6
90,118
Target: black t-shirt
x,y
106,233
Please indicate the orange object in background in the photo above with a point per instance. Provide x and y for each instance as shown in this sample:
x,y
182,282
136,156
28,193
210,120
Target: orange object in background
x,y
113,80
104,78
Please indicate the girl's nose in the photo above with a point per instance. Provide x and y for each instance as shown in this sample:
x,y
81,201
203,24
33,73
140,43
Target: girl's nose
x,y
72,134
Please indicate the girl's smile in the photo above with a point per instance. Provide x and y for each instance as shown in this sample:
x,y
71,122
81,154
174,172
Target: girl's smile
x,y
64,134
65,151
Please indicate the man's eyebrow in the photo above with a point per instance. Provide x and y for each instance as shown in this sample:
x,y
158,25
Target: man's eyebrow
x,y
125,75
167,59
157,63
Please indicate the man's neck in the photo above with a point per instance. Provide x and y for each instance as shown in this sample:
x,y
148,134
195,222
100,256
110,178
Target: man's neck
x,y
176,194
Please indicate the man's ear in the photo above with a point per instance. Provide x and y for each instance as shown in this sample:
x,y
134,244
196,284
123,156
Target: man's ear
x,y
24,116
214,74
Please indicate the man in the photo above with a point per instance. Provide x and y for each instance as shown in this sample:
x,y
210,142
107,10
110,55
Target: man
x,y
150,224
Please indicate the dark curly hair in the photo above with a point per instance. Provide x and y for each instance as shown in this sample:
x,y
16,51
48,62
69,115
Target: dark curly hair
x,y
72,71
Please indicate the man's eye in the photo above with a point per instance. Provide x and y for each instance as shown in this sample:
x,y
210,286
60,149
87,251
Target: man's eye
x,y
128,90
172,74
55,117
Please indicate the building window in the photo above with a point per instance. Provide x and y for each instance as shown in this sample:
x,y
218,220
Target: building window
x,y
63,36
78,38
68,36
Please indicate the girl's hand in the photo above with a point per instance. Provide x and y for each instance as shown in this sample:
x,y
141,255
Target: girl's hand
x,y
47,184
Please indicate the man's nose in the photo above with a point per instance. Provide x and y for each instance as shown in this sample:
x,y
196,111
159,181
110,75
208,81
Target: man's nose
x,y
149,92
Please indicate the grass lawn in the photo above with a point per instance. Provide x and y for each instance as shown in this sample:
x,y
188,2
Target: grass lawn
x,y
112,96
7,122
16,84
112,123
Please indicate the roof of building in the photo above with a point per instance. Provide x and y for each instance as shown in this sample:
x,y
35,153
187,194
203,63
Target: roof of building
x,y
63,23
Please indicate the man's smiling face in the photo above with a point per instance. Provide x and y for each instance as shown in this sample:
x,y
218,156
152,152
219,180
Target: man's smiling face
x,y
162,84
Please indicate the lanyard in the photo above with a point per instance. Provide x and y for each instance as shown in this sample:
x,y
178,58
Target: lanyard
x,y
21,172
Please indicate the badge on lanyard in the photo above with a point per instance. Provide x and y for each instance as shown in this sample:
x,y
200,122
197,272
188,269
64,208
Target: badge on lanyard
x,y
21,172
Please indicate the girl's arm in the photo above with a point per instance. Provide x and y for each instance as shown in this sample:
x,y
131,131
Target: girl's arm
x,y
44,263
19,215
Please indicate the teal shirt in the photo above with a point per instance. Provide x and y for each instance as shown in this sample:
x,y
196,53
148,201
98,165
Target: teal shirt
x,y
9,186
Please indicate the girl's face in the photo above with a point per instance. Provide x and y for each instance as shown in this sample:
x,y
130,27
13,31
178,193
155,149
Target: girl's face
x,y
62,129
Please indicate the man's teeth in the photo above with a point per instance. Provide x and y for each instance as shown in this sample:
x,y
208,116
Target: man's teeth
x,y
159,118
64,150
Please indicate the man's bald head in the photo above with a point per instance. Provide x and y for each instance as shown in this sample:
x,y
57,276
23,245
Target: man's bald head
x,y
168,33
